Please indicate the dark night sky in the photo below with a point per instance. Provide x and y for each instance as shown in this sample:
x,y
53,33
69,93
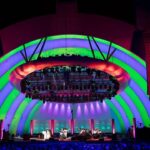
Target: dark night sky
x,y
14,11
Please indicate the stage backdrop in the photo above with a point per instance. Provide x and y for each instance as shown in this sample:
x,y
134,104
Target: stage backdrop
x,y
82,113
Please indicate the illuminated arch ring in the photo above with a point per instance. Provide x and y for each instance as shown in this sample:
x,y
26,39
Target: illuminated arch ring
x,y
134,95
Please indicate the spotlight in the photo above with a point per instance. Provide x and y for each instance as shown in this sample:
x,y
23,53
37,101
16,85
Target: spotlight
x,y
79,69
45,71
57,69
88,71
52,70
73,69
81,88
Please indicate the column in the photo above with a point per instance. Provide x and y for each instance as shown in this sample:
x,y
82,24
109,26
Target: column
x,y
1,129
72,124
52,122
32,123
92,126
134,128
113,126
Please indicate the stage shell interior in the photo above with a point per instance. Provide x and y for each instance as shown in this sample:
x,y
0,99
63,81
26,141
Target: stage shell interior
x,y
132,102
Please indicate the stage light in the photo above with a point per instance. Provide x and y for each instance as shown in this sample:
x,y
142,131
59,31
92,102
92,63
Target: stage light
x,y
69,80
73,69
101,100
79,69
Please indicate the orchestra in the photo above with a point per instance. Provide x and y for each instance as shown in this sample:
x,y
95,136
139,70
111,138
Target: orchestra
x,y
63,134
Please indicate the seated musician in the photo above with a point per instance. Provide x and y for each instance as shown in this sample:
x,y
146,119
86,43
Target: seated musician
x,y
82,131
63,133
97,133
47,134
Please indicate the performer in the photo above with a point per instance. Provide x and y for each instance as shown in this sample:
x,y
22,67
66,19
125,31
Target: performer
x,y
82,132
63,133
97,133
47,134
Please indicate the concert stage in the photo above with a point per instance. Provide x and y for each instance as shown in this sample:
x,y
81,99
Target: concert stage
x,y
72,80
